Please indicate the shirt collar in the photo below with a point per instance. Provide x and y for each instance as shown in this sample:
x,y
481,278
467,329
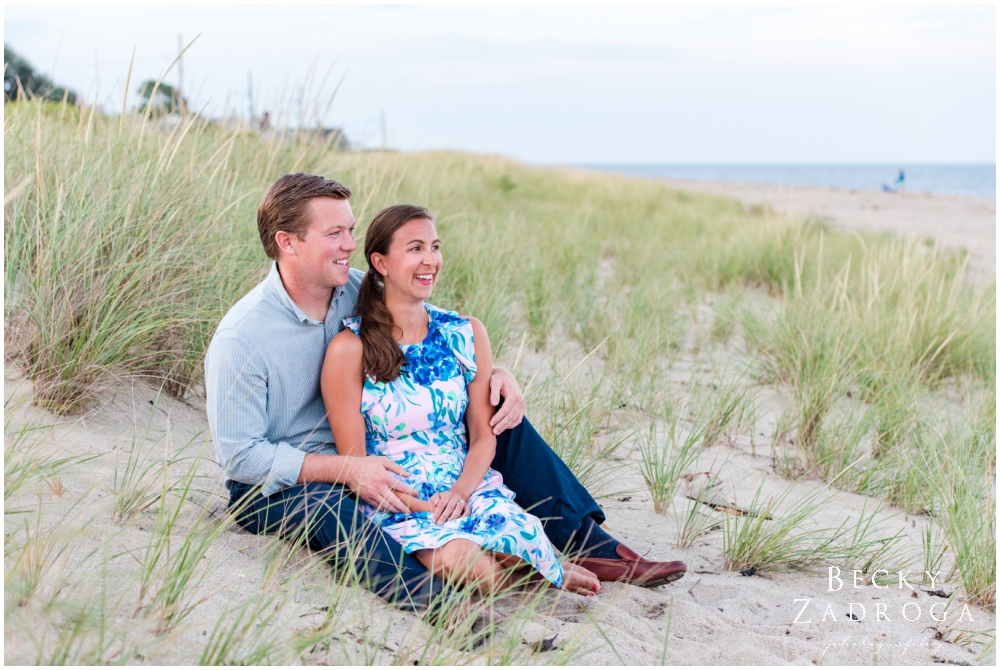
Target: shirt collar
x,y
274,282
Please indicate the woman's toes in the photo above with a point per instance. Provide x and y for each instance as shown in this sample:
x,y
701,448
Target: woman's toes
x,y
574,582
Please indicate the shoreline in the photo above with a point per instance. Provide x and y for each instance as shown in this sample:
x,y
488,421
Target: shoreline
x,y
954,221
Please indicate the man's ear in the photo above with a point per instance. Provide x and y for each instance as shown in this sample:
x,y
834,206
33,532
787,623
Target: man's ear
x,y
284,242
378,261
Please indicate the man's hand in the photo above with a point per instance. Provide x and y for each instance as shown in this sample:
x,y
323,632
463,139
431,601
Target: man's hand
x,y
449,505
370,477
503,384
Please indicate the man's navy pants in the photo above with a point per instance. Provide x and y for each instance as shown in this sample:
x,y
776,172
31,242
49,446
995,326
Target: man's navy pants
x,y
333,524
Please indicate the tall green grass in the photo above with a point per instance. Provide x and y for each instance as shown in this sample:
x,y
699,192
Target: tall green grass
x,y
127,241
666,452
576,412
875,356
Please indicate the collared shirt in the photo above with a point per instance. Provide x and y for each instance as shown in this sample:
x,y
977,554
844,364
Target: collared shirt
x,y
262,370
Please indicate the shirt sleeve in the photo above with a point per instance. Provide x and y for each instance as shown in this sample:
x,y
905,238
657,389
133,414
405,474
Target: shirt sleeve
x,y
236,401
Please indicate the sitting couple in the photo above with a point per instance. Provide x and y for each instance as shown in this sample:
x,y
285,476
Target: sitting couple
x,y
325,381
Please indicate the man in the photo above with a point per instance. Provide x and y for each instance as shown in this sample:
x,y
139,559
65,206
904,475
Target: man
x,y
273,440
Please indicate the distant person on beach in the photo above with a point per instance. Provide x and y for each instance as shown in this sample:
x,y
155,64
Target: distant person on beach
x,y
419,375
273,439
898,186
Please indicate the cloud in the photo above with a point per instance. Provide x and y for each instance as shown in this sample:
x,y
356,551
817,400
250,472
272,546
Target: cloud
x,y
782,82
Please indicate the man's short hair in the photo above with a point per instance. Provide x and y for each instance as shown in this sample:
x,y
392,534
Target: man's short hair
x,y
284,205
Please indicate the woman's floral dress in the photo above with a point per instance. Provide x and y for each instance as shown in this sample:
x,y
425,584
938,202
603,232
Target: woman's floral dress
x,y
417,421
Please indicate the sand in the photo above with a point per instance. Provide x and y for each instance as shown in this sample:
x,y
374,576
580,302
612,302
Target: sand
x,y
715,616
953,221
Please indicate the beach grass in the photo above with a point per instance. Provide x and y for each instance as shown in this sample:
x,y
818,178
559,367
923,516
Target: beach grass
x,y
696,520
667,452
775,533
127,239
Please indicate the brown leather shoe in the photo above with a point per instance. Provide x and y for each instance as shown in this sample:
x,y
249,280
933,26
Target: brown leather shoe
x,y
632,568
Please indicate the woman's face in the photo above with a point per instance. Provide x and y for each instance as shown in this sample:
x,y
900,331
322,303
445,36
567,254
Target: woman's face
x,y
412,266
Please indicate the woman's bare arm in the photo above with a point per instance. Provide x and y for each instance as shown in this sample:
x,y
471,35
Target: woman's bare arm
x,y
342,381
482,441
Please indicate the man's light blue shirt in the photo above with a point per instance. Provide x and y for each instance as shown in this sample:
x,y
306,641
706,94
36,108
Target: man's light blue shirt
x,y
262,391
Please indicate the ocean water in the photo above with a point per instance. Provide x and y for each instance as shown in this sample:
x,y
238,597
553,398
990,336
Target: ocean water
x,y
969,180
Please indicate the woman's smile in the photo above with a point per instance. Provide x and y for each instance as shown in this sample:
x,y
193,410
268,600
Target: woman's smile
x,y
414,251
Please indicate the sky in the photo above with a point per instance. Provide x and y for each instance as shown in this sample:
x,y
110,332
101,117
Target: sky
x,y
561,84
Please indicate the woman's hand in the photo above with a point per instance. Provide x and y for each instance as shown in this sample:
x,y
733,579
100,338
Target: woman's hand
x,y
449,505
414,504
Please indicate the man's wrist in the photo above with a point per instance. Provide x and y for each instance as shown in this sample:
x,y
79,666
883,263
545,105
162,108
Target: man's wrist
x,y
327,469
344,470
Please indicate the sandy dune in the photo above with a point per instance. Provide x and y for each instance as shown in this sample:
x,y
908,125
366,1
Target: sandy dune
x,y
715,616
954,221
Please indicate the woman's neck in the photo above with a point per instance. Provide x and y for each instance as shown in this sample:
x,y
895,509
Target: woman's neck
x,y
409,316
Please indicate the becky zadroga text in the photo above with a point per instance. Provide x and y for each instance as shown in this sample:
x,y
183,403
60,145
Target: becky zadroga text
x,y
910,611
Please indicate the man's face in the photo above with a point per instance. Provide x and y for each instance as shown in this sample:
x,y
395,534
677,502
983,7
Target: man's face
x,y
321,256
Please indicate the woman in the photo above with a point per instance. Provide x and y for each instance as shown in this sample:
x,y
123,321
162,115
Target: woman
x,y
419,374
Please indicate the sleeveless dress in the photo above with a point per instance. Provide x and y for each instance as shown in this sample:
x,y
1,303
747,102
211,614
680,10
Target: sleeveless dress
x,y
417,421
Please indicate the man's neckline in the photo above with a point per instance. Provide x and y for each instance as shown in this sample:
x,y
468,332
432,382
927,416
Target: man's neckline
x,y
274,279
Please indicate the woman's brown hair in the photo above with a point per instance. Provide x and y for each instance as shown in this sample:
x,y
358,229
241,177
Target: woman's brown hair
x,y
383,358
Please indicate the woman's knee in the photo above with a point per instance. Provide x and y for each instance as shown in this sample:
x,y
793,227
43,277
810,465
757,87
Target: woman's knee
x,y
509,561
459,552
455,558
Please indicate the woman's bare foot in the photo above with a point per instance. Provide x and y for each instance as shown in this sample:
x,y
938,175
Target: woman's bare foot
x,y
575,579
580,580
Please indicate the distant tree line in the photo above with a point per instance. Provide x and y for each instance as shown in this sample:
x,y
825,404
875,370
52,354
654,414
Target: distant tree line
x,y
167,100
20,77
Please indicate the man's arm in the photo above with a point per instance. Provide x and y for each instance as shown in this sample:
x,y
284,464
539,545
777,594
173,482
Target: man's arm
x,y
236,402
367,476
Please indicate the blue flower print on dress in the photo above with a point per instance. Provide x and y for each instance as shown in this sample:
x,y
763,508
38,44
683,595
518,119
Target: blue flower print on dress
x,y
469,524
418,421
495,521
